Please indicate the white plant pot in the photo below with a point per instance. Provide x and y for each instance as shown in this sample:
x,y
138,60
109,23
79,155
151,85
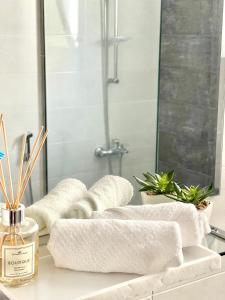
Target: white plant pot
x,y
154,199
157,199
207,211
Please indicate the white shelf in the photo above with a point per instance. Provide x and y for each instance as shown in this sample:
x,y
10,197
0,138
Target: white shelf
x,y
61,284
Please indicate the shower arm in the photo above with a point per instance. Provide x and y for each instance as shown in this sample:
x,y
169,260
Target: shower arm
x,y
115,78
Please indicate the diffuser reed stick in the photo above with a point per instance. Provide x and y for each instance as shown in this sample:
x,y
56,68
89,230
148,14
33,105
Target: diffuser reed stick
x,y
21,165
5,195
3,186
7,159
26,180
23,177
1,168
32,153
2,177
14,236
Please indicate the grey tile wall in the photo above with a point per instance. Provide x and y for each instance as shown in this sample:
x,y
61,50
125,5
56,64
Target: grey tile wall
x,y
188,88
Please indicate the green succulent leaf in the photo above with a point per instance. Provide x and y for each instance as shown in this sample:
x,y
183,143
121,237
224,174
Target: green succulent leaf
x,y
157,183
192,194
164,183
141,182
144,189
170,175
177,188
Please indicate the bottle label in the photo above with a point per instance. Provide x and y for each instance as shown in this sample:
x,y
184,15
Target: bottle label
x,y
18,261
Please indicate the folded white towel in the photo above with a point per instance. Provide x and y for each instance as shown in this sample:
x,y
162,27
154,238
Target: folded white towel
x,y
193,225
109,191
57,203
204,224
140,247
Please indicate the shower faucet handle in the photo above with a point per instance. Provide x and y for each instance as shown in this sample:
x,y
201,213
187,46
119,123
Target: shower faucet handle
x,y
116,149
123,148
113,80
116,143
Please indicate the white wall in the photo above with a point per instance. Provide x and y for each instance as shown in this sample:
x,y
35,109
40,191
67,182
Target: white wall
x,y
19,95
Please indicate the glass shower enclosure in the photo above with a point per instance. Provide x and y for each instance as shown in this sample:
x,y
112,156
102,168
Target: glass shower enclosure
x,y
102,64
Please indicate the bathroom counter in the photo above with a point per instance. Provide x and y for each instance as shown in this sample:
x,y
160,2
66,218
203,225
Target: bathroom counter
x,y
215,243
58,284
62,284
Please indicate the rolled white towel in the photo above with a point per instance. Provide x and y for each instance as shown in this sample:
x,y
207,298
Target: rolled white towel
x,y
193,225
109,191
141,247
56,204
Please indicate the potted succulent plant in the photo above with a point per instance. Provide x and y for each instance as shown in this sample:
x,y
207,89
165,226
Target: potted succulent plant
x,y
155,187
159,188
195,195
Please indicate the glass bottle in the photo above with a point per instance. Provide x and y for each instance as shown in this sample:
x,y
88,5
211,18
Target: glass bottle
x,y
18,247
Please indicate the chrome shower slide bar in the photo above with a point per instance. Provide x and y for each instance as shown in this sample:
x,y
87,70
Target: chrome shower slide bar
x,y
115,40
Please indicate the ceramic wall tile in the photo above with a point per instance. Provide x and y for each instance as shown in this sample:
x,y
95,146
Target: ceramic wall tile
x,y
75,89
65,17
75,124
130,119
81,159
19,93
201,53
18,17
188,93
18,54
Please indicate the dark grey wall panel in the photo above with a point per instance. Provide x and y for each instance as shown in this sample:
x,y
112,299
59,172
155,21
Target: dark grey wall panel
x,y
188,89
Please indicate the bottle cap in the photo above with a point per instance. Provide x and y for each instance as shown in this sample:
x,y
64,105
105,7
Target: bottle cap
x,y
12,217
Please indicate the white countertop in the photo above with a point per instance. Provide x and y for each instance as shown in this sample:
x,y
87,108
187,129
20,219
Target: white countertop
x,y
62,284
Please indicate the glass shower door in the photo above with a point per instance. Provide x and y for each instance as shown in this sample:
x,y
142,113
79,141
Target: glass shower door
x,y
74,90
102,82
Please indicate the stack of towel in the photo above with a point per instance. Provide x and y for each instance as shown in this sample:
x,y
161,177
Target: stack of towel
x,y
193,225
110,191
132,239
141,247
70,199
56,203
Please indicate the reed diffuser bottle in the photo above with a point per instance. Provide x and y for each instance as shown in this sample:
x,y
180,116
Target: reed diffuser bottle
x,y
19,247
18,235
